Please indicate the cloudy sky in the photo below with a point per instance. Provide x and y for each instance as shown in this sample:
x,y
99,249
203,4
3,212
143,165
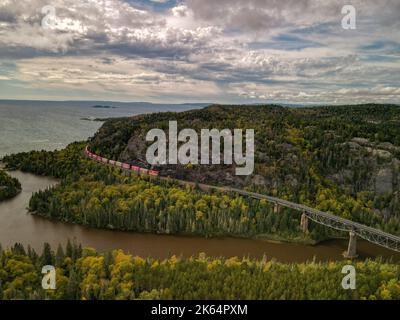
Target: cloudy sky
x,y
289,51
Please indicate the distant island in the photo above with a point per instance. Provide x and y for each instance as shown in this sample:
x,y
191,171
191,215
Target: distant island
x,y
104,107
91,119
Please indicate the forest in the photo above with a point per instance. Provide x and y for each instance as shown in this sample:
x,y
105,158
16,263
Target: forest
x,y
339,159
9,187
84,274
336,159
104,197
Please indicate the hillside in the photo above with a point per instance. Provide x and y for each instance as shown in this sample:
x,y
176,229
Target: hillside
x,y
342,159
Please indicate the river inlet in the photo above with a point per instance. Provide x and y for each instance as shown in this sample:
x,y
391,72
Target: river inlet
x,y
17,225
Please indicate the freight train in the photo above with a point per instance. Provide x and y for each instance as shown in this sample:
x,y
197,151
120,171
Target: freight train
x,y
122,165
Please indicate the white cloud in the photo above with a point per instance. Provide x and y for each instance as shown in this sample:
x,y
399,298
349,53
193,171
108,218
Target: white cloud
x,y
180,11
226,50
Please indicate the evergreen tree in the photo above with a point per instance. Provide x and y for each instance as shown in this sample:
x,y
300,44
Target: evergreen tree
x,y
47,255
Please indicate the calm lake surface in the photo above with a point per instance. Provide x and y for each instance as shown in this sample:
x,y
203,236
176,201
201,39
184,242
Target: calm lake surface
x,y
16,225
49,125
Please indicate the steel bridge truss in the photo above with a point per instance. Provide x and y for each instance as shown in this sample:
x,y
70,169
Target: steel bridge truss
x,y
373,235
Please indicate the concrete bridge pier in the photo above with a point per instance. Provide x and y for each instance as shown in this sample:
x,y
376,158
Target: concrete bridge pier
x,y
304,222
276,208
351,252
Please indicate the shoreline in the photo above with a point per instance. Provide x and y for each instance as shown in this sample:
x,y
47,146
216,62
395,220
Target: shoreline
x,y
19,190
268,238
159,245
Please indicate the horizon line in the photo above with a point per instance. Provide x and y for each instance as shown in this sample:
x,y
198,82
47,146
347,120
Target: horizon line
x,y
209,103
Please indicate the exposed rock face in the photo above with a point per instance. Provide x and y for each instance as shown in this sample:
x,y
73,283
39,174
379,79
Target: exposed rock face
x,y
136,149
376,170
388,146
258,180
383,154
384,181
361,141
353,145
396,164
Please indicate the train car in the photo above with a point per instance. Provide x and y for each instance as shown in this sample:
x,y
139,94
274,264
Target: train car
x,y
153,172
104,160
112,162
98,158
135,168
118,164
126,166
144,171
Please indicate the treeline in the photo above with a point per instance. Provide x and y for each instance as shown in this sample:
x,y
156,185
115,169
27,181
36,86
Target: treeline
x,y
9,187
66,163
144,206
87,274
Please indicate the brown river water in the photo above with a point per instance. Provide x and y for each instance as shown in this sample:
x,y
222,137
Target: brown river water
x,y
17,225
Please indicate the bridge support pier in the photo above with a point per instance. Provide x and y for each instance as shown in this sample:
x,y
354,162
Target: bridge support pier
x,y
304,222
276,208
351,252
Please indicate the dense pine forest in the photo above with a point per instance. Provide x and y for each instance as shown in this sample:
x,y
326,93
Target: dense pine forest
x,y
9,187
87,274
104,197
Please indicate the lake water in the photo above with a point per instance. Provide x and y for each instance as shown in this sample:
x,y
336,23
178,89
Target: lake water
x,y
36,125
